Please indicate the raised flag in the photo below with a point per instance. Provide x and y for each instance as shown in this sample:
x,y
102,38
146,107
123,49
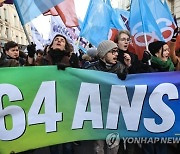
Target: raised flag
x,y
66,10
37,37
119,21
143,26
163,17
97,22
30,9
58,27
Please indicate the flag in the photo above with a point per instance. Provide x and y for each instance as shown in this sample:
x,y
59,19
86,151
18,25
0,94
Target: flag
x,y
163,17
66,10
37,38
108,2
119,21
119,18
97,22
143,26
30,9
58,27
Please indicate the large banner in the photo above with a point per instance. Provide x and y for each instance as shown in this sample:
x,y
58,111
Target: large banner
x,y
43,106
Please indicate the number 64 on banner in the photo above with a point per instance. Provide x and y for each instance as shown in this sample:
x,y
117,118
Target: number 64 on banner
x,y
50,117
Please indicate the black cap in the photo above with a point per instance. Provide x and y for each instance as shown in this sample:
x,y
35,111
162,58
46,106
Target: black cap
x,y
155,46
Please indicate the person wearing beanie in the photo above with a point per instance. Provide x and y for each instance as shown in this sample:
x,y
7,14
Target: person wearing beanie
x,y
107,60
107,52
160,60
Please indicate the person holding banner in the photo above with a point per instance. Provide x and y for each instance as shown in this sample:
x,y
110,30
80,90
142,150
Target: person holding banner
x,y
107,52
59,53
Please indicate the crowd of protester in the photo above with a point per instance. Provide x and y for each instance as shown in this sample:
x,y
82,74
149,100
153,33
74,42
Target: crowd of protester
x,y
109,56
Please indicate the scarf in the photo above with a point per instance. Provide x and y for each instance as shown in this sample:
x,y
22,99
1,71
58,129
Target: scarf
x,y
168,65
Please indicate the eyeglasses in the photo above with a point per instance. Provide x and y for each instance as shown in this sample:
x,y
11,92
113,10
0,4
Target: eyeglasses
x,y
124,39
113,51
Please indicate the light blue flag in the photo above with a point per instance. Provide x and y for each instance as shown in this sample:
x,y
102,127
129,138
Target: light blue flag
x,y
120,19
108,2
30,9
116,19
96,24
142,23
163,17
169,12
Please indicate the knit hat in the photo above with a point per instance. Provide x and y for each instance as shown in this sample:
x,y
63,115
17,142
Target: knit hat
x,y
154,47
92,52
104,47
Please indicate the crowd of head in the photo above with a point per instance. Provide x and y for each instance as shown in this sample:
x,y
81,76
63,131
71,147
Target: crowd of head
x,y
109,56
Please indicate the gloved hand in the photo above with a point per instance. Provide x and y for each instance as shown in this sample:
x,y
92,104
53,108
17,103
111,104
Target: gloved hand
x,y
31,50
146,56
175,33
122,74
61,66
74,60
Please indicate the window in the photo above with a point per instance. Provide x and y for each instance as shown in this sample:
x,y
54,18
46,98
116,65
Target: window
x,y
5,14
17,39
7,32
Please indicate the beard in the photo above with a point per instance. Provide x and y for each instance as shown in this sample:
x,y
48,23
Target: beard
x,y
57,55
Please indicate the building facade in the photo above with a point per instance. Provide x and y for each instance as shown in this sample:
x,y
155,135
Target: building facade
x,y
10,26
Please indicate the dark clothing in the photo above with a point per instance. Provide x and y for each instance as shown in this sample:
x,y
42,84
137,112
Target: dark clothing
x,y
5,62
20,60
56,58
121,70
137,66
47,60
118,68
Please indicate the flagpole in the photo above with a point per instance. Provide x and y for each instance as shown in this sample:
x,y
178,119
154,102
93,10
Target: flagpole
x,y
145,38
21,20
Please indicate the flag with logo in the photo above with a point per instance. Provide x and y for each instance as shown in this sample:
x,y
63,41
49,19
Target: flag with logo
x,y
163,17
143,26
